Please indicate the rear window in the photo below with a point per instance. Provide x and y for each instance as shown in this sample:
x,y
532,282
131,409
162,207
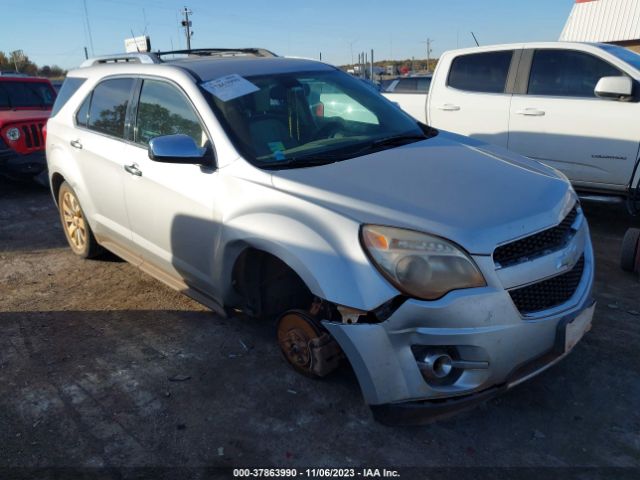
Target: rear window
x,y
69,87
413,85
22,94
109,106
481,72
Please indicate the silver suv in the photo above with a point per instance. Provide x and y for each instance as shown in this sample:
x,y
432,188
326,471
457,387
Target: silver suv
x,y
445,269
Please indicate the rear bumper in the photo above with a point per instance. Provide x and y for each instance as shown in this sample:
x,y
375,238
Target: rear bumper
x,y
16,165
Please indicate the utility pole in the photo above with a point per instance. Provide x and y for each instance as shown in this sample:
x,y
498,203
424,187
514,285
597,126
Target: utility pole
x,y
371,72
429,42
15,55
351,49
186,23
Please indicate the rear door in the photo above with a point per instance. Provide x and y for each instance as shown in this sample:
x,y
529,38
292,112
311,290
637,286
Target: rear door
x,y
558,119
471,97
410,94
98,144
172,207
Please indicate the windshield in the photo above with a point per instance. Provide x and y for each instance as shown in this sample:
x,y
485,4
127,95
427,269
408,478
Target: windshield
x,y
623,54
299,119
16,94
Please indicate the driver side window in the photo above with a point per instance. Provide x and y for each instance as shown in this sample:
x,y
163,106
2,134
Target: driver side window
x,y
163,110
567,73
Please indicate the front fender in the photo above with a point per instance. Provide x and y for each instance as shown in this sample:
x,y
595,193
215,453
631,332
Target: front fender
x,y
323,249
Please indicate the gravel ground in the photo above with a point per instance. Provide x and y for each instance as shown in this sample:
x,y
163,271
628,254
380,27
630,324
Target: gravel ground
x,y
102,366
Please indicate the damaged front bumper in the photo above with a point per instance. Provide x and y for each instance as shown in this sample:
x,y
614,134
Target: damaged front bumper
x,y
493,346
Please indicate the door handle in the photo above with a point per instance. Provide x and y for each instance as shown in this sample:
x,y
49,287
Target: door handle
x,y
76,144
531,112
448,107
133,169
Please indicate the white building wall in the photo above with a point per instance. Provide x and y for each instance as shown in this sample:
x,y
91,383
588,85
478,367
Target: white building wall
x,y
603,21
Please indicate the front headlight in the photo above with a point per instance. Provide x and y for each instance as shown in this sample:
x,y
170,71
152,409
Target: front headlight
x,y
418,264
13,134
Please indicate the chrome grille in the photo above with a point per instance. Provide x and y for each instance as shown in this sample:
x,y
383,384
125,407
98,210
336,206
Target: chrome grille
x,y
548,293
536,245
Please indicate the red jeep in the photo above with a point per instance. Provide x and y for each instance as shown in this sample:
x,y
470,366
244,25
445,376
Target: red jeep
x,y
25,106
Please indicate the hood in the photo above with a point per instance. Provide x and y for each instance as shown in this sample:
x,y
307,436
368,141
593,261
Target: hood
x,y
23,115
472,193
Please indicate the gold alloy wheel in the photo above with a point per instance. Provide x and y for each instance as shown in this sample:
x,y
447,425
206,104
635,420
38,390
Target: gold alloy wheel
x,y
73,221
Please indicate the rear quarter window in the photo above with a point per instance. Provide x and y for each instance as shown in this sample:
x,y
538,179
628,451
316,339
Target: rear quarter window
x,y
69,87
485,72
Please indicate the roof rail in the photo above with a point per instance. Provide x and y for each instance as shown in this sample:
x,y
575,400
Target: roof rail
x,y
122,58
156,57
220,52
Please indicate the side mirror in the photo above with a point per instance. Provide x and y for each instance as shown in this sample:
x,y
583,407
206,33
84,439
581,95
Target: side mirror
x,y
178,148
614,87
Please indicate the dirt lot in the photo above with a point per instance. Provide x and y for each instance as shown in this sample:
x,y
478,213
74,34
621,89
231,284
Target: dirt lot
x,y
100,365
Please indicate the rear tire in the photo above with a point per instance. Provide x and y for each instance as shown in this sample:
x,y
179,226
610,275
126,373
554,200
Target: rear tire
x,y
630,246
75,225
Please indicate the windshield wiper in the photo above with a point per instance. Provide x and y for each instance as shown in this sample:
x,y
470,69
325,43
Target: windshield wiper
x,y
299,162
397,140
327,158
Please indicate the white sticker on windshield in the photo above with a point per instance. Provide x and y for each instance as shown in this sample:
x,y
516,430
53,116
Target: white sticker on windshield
x,y
230,87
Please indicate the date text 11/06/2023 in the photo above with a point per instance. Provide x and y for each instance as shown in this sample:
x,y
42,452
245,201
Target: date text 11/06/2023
x,y
315,473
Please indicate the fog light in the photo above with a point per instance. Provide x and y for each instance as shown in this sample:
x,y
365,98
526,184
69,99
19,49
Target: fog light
x,y
436,366
13,134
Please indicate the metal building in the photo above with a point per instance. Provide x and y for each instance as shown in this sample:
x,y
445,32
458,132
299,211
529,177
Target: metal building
x,y
610,21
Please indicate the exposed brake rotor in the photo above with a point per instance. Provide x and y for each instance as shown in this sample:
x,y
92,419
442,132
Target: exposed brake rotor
x,y
306,346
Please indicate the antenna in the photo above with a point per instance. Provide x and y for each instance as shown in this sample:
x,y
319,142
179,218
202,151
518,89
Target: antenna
x,y
86,17
133,36
476,40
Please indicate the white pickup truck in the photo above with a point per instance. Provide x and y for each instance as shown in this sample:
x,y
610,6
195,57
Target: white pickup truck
x,y
574,106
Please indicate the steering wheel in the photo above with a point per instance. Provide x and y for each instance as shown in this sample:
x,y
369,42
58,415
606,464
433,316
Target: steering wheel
x,y
329,130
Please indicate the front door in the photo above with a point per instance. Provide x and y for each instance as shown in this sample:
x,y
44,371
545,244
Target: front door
x,y
171,206
561,122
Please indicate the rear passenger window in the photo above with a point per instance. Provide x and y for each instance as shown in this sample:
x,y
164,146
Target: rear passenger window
x,y
481,72
163,110
109,106
567,73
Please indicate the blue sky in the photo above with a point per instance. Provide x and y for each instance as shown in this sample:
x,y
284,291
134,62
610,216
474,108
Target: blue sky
x,y
55,32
